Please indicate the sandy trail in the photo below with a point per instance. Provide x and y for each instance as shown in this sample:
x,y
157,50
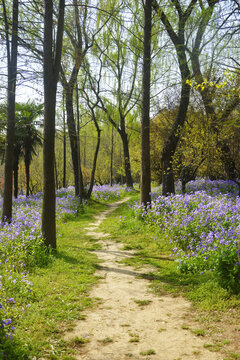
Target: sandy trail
x,y
131,322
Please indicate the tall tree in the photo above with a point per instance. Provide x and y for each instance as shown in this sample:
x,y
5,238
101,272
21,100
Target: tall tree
x,y
95,116
183,13
118,62
11,46
178,39
51,66
208,85
145,110
79,42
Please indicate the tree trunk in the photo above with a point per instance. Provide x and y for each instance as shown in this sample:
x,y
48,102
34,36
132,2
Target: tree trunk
x,y
170,145
55,171
12,75
81,185
172,140
111,159
51,66
64,147
72,132
15,171
183,187
27,170
94,162
178,40
129,181
145,108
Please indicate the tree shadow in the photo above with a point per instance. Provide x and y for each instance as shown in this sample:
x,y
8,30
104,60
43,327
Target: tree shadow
x,y
63,256
116,253
147,276
162,258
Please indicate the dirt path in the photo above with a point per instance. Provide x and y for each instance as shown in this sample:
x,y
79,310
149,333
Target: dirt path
x,y
130,322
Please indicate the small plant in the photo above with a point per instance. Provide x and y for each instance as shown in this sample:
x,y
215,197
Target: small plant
x,y
148,352
233,356
79,341
196,352
199,332
161,330
106,340
134,337
142,302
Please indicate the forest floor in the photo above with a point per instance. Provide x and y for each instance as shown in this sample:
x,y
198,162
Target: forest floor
x,y
129,320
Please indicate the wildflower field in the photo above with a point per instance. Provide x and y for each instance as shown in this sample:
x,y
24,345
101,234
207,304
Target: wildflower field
x,y
22,250
201,227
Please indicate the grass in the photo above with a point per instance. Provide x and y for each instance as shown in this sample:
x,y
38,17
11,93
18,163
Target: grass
x,y
78,342
134,338
106,340
199,332
142,302
148,352
61,291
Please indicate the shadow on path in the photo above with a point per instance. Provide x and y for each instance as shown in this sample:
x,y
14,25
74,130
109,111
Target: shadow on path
x,y
127,272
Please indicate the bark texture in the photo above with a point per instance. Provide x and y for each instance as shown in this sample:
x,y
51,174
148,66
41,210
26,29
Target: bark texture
x,y
145,107
51,67
11,94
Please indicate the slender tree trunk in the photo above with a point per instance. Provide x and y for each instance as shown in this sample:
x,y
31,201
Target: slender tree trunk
x,y
111,158
56,174
72,132
127,166
27,169
145,107
51,67
183,187
172,140
15,171
94,162
64,146
12,75
50,87
81,185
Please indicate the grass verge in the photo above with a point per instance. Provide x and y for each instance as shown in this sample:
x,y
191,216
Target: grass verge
x,y
60,291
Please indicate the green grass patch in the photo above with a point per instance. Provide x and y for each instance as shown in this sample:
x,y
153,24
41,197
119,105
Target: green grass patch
x,y
142,302
148,352
60,294
199,332
106,340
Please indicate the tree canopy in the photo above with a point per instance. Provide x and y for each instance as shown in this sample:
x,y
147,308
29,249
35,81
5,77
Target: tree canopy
x,y
100,50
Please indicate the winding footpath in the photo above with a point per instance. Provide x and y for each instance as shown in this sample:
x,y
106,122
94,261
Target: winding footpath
x,y
130,322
